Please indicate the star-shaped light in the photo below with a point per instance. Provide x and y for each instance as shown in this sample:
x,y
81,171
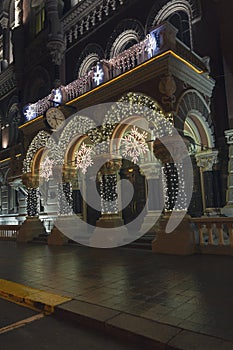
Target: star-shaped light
x,y
30,112
134,144
46,168
83,158
57,96
98,75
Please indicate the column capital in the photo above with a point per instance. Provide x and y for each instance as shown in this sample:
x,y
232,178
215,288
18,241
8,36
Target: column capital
x,y
151,170
173,142
206,159
112,166
229,136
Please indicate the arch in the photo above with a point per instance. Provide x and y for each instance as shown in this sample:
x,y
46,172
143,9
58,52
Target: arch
x,y
88,58
127,33
160,12
39,141
139,105
195,115
78,126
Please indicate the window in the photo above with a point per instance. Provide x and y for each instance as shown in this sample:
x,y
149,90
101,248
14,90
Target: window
x,y
180,20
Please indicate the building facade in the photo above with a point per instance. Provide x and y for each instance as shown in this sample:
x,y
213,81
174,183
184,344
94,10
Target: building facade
x,y
61,58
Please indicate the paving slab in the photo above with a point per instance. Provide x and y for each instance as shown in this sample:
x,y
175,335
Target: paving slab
x,y
186,340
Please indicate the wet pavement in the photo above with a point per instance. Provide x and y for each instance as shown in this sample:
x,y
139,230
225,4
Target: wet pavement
x,y
193,292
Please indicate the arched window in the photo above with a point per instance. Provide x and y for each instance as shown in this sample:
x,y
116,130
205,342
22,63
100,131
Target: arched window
x,y
180,20
128,33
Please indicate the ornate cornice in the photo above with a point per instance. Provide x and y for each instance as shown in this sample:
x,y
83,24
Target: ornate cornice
x,y
86,15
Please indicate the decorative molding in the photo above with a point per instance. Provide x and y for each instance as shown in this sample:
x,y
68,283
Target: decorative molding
x,y
206,160
86,15
229,136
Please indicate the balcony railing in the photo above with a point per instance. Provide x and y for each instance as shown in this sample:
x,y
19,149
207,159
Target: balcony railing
x,y
214,233
161,39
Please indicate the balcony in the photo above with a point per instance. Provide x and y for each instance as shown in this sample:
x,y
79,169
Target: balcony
x,y
159,45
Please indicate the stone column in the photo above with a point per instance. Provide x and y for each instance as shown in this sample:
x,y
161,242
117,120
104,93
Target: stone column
x,y
32,226
56,42
205,161
111,221
228,209
152,172
181,240
65,209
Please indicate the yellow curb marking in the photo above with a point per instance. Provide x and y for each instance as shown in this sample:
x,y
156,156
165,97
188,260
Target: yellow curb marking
x,y
29,296
21,323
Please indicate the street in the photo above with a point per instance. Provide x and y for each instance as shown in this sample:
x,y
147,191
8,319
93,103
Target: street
x,y
46,332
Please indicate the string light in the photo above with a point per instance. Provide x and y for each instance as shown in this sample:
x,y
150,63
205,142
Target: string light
x,y
84,158
33,197
40,141
108,194
173,184
65,200
46,168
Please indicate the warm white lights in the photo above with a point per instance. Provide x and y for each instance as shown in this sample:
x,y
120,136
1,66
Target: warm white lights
x,y
134,144
84,158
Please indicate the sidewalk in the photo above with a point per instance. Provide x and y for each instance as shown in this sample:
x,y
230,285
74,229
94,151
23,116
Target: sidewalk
x,y
176,302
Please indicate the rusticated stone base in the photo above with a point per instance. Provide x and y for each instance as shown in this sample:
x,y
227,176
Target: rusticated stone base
x,y
109,232
179,242
30,228
56,237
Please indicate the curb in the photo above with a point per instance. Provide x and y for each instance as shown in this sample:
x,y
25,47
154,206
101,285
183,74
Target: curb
x,y
148,333
33,298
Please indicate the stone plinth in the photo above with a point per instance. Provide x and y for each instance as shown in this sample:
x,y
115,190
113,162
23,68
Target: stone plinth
x,y
31,227
179,242
109,232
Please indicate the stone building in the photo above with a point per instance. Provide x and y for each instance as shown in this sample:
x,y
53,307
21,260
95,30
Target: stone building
x,y
60,58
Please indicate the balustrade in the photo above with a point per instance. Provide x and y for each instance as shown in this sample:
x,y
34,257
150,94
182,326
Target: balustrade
x,y
217,231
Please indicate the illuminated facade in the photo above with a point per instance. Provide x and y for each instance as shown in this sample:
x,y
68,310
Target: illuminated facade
x,y
169,56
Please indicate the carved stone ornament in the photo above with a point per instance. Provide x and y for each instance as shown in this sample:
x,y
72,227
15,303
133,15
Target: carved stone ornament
x,y
229,136
56,49
206,160
167,87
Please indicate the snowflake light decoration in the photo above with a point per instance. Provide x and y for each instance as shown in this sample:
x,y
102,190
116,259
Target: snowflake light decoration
x,y
57,99
83,158
30,112
46,169
152,44
98,75
134,144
